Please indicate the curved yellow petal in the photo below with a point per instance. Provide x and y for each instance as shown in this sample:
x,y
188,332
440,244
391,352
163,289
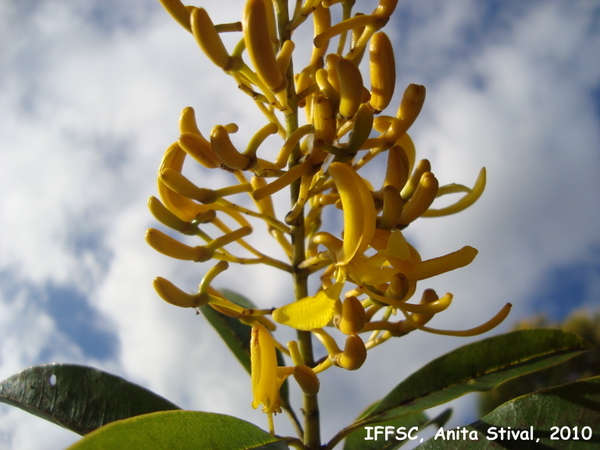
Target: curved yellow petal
x,y
471,197
184,208
259,45
310,313
483,328
175,296
436,266
263,357
359,211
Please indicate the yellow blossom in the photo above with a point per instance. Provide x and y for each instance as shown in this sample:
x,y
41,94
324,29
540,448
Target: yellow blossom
x,y
359,212
267,377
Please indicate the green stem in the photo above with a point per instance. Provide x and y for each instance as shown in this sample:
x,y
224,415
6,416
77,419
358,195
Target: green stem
x,y
312,432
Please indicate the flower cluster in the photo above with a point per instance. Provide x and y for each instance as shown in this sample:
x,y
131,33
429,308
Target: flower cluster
x,y
368,272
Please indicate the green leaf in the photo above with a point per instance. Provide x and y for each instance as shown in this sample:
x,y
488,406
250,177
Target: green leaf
x,y
183,430
77,397
407,427
565,417
478,366
235,334
358,438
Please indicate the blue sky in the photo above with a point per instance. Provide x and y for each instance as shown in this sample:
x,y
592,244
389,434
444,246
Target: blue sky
x,y
90,95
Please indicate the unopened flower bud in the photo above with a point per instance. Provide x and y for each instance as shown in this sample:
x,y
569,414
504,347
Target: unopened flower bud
x,y
259,44
175,296
200,149
352,318
392,208
354,354
208,38
351,87
410,106
178,11
166,217
226,152
166,245
307,380
382,66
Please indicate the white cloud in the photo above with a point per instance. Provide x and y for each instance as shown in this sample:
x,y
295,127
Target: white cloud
x,y
91,104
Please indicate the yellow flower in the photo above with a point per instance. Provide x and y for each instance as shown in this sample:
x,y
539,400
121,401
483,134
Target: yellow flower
x,y
267,377
359,214
264,371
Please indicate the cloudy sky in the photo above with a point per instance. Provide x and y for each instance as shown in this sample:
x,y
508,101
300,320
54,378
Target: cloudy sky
x,y
90,95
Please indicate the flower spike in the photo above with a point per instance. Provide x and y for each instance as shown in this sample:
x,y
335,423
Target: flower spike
x,y
367,272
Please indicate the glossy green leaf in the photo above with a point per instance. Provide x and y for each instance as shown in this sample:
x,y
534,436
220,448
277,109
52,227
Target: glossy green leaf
x,y
180,430
564,417
406,428
478,366
77,397
235,334
364,438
